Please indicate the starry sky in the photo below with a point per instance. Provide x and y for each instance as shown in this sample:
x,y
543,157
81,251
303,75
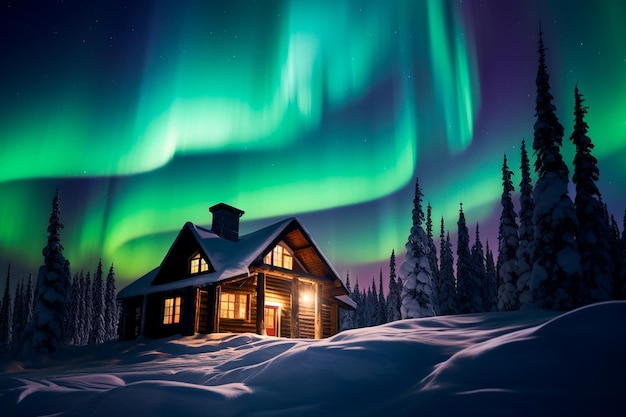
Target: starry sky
x,y
146,113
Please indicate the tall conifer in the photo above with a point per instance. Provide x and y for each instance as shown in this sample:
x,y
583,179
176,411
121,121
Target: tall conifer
x,y
592,234
53,283
525,231
393,298
508,297
556,269
417,277
463,266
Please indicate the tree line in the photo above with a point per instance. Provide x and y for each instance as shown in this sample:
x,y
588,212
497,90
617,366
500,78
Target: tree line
x,y
57,310
555,253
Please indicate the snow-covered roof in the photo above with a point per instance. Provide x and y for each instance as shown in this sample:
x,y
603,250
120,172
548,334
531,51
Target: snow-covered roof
x,y
229,258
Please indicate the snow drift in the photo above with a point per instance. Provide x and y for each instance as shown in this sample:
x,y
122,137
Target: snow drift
x,y
494,364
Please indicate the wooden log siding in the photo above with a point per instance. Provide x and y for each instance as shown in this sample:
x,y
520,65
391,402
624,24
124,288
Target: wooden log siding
x,y
307,310
247,325
278,291
327,326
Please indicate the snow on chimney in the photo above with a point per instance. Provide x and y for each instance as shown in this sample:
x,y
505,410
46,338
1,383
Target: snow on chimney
x,y
226,221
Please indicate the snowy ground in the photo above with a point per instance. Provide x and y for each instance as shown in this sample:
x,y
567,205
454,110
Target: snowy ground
x,y
500,364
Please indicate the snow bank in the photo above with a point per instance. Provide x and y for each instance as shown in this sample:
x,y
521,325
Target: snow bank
x,y
514,363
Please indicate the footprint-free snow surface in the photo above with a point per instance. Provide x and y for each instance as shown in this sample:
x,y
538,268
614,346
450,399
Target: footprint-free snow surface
x,y
528,363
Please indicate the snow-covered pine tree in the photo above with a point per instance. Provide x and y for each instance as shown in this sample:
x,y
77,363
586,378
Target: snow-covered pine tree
x,y
72,334
508,297
98,331
622,270
491,295
415,272
28,305
525,231
87,309
6,315
393,298
46,333
382,303
447,286
592,234
376,309
478,276
111,312
463,266
618,254
432,256
556,272
356,297
18,310
346,317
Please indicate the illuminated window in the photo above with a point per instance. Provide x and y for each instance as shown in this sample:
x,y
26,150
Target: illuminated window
x,y
234,306
280,257
171,310
198,264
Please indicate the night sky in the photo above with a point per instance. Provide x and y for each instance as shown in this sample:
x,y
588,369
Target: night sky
x,y
145,114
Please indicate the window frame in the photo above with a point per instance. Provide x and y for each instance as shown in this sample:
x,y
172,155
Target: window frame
x,y
280,256
240,306
172,313
198,264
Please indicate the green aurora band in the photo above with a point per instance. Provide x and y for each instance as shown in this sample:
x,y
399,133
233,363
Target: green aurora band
x,y
249,106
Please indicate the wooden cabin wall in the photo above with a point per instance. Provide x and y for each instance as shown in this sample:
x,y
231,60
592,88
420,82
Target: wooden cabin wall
x,y
278,291
326,320
238,325
130,320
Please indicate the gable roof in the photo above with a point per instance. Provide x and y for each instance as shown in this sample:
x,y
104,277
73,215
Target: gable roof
x,y
231,259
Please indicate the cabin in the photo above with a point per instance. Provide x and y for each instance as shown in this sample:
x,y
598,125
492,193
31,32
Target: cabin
x,y
274,281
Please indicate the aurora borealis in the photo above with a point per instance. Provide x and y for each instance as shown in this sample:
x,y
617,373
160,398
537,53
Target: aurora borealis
x,y
144,114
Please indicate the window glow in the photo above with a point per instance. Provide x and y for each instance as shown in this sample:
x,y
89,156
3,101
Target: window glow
x,y
198,264
234,306
279,257
171,310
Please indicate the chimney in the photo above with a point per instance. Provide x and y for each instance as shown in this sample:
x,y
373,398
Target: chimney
x,y
226,221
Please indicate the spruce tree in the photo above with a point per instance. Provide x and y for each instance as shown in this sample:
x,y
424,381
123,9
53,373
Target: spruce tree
x,y
417,277
87,309
556,269
525,231
53,282
478,276
463,266
620,260
72,337
346,316
491,295
98,331
6,313
376,311
19,312
592,235
111,307
432,256
382,303
356,297
447,287
393,298
508,297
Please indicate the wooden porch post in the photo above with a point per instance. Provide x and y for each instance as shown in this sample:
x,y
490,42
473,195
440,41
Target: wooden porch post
x,y
260,303
216,308
318,311
295,308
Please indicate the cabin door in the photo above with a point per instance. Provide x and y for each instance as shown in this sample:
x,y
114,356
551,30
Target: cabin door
x,y
271,320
